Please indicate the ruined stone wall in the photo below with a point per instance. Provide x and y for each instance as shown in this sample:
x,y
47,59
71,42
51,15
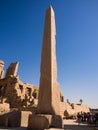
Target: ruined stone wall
x,y
18,94
4,107
14,91
81,108
1,69
22,95
68,109
12,69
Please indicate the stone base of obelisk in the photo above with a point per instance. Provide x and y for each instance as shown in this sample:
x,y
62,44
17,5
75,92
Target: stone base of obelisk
x,y
43,121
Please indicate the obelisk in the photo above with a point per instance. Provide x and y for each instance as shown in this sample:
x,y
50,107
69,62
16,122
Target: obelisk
x,y
49,92
48,113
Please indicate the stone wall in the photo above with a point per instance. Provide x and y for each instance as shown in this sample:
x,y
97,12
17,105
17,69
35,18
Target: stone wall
x,y
15,119
25,96
12,69
68,109
17,93
22,95
80,108
1,69
4,107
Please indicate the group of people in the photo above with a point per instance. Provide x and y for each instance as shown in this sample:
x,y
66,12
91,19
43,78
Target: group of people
x,y
89,118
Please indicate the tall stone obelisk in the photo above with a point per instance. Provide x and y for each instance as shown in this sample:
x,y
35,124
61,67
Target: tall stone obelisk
x,y
49,92
48,112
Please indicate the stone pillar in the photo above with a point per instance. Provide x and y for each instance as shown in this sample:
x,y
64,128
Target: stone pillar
x,y
12,69
49,91
48,111
1,69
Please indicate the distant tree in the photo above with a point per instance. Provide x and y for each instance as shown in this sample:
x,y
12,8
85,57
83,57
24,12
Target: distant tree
x,y
81,101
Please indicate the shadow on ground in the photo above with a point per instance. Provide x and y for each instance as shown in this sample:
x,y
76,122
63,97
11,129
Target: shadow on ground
x,y
66,127
79,127
12,128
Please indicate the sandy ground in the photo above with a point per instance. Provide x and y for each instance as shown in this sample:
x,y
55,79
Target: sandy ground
x,y
73,125
68,125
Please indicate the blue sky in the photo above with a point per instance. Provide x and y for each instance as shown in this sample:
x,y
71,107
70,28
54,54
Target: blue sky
x,y
21,33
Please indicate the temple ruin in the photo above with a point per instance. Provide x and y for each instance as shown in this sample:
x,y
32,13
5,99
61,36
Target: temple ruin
x,y
15,92
12,69
37,107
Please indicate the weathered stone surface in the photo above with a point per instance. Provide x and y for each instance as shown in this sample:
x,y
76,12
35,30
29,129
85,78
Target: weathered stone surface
x,y
12,69
4,107
49,91
69,109
25,96
38,122
17,93
15,119
24,118
1,69
56,121
43,121
80,108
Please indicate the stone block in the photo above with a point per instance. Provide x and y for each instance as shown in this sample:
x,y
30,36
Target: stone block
x,y
38,122
56,121
4,107
24,118
42,121
11,119
15,119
